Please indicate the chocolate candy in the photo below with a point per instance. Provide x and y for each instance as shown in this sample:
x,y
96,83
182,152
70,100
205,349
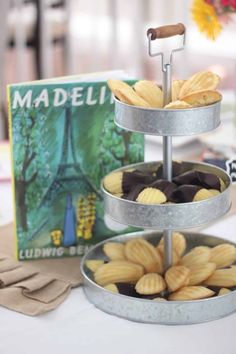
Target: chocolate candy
x,y
176,169
121,182
165,188
131,179
204,179
190,193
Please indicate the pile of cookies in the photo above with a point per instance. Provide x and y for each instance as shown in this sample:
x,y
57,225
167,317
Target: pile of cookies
x,y
151,188
136,268
199,90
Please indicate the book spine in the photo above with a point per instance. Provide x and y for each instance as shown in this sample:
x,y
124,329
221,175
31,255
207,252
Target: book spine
x,y
12,170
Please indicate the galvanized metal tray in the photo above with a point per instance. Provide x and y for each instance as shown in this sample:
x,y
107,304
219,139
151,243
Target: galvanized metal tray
x,y
148,311
173,122
169,216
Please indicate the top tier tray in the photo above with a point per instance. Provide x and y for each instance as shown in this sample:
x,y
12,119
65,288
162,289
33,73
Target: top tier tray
x,y
165,122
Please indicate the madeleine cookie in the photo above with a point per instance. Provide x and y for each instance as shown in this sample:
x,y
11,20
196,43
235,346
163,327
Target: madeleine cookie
x,y
163,186
151,195
130,97
175,256
223,255
114,251
118,271
150,92
178,243
190,193
122,288
175,89
150,283
202,98
198,255
200,272
143,252
191,293
94,264
121,182
177,277
112,287
178,105
224,291
159,299
117,84
203,80
222,278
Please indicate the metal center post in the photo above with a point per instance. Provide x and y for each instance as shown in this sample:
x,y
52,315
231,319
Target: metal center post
x,y
167,162
157,33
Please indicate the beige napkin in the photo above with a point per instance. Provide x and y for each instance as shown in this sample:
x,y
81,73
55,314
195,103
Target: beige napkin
x,y
34,287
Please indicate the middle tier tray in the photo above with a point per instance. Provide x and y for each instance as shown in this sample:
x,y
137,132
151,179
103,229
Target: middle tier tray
x,y
173,122
169,216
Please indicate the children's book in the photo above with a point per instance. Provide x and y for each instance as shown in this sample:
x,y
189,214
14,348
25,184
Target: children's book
x,y
63,142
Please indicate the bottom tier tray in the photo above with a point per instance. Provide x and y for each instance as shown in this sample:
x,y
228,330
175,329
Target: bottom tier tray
x,y
147,311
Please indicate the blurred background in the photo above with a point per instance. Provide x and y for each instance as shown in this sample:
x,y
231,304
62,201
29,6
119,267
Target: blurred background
x,y
50,38
47,38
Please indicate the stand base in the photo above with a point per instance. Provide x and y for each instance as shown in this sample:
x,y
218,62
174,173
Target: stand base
x,y
148,311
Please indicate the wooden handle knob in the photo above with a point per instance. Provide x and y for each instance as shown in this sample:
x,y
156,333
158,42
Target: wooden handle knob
x,y
166,31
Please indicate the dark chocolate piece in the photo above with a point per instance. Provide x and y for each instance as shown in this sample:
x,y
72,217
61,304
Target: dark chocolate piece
x,y
185,193
208,180
189,177
131,179
134,192
127,289
165,186
198,178
176,169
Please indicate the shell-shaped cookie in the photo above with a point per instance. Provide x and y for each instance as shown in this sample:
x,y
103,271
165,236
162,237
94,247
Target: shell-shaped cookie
x,y
129,96
202,194
202,98
114,251
177,105
151,195
94,264
222,185
176,277
200,272
150,92
214,192
143,252
224,291
175,257
191,293
223,255
113,183
125,93
222,277
175,89
118,271
115,84
178,243
159,299
197,255
112,287
202,80
150,283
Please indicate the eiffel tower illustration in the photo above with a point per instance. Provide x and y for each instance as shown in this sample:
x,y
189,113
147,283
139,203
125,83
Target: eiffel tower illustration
x,y
69,177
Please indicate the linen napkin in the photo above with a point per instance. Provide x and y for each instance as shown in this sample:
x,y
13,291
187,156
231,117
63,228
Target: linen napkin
x,y
34,287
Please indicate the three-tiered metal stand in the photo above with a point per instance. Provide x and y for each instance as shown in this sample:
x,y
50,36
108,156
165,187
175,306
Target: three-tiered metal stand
x,y
166,217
